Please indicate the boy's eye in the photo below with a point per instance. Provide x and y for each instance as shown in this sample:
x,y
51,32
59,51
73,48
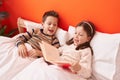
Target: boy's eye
x,y
75,33
49,23
54,24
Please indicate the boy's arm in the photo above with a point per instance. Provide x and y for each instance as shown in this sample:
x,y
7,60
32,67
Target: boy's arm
x,y
21,25
34,53
22,51
25,37
55,42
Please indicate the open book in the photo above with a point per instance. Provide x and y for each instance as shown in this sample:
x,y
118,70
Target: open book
x,y
52,55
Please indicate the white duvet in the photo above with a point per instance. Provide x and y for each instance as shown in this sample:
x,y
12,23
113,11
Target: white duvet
x,y
13,67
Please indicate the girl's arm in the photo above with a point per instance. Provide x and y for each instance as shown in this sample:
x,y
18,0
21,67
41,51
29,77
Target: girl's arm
x,y
83,68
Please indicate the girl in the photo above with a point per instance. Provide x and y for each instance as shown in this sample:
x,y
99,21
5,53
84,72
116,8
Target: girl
x,y
77,52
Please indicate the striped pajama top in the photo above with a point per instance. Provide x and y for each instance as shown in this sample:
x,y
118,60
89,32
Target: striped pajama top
x,y
34,38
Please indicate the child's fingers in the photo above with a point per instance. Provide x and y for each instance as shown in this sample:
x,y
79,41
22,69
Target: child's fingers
x,y
23,53
32,53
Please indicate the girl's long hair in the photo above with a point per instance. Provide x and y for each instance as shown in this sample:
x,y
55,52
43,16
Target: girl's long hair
x,y
90,30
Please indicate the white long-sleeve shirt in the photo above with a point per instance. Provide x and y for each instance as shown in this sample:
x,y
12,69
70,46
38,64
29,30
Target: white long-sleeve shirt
x,y
82,57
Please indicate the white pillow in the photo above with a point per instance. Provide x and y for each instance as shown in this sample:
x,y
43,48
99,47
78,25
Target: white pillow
x,y
61,34
106,54
71,32
106,48
31,25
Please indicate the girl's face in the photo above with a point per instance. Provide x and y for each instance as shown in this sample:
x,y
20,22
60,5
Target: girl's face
x,y
50,25
80,36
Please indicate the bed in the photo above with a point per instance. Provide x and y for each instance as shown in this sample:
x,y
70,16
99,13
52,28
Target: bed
x,y
106,49
106,56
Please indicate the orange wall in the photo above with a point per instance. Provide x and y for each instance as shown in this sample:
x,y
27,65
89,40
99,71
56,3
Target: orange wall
x,y
105,14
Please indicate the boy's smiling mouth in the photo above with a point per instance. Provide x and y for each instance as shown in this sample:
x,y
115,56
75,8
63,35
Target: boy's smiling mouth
x,y
51,31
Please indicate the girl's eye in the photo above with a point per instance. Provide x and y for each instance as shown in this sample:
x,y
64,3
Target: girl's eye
x,y
49,23
80,35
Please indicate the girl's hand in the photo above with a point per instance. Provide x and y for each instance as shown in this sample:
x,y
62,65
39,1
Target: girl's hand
x,y
75,68
22,51
35,53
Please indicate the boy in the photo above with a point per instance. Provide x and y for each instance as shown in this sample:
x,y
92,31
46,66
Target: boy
x,y
50,21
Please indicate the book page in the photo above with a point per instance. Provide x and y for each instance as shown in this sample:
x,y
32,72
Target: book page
x,y
51,54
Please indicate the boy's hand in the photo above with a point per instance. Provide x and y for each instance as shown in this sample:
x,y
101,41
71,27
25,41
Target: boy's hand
x,y
22,51
35,53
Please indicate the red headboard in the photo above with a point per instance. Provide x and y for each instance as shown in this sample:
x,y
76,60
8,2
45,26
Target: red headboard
x,y
105,14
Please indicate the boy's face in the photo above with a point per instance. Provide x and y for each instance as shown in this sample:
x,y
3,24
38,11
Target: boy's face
x,y
50,25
